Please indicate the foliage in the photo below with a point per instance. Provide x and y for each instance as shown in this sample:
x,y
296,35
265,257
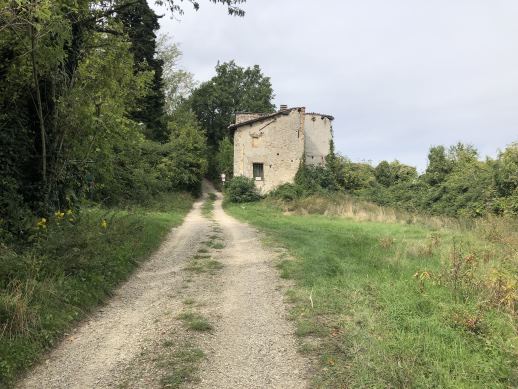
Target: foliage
x,y
82,110
232,6
288,192
456,182
241,189
186,161
224,157
178,83
140,22
74,263
232,89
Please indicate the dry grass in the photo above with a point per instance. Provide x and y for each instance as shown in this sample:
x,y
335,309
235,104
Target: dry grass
x,y
16,314
343,205
483,261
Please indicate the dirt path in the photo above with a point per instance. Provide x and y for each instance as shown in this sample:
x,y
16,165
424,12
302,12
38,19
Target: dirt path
x,y
123,344
254,345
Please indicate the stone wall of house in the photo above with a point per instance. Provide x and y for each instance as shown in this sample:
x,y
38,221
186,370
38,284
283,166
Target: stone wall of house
x,y
318,134
246,116
277,143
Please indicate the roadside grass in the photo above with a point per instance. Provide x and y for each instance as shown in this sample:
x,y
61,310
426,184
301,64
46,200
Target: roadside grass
x,y
208,206
195,322
396,304
181,364
72,265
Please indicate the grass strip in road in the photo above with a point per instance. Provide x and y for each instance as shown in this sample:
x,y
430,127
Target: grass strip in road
x,y
392,305
196,322
182,365
208,206
73,265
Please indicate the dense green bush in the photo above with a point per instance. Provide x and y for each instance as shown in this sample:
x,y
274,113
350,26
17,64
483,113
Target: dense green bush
x,y
455,183
288,192
241,190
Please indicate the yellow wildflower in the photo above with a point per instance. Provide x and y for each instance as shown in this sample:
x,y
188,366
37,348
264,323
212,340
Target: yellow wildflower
x,y
59,214
69,212
42,223
104,223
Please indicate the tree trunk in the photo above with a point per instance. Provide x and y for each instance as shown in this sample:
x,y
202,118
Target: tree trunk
x,y
39,107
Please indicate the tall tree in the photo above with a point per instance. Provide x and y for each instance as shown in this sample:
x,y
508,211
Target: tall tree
x,y
231,90
140,23
178,83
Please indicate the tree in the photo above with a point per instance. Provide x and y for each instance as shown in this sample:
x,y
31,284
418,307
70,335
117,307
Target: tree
x,y
233,89
232,5
392,173
177,83
439,166
140,23
225,157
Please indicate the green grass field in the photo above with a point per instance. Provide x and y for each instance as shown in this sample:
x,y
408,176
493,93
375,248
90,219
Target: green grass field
x,y
385,305
73,264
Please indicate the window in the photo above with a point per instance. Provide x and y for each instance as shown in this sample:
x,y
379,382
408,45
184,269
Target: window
x,y
258,169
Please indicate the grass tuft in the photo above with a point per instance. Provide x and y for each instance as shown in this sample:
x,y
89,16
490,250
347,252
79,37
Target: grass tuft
x,y
182,366
208,206
195,322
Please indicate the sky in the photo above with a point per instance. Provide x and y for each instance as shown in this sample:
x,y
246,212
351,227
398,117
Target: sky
x,y
398,76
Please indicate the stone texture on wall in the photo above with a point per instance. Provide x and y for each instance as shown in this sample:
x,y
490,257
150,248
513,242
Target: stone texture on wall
x,y
277,143
318,134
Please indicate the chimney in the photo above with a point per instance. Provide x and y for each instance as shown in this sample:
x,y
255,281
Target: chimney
x,y
283,107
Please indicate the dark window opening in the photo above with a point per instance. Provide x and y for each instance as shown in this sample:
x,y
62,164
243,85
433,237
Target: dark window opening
x,y
258,169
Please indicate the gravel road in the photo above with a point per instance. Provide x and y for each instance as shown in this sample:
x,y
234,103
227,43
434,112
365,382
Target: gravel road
x,y
252,345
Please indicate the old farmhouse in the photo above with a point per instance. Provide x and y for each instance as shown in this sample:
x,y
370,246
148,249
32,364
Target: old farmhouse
x,y
269,147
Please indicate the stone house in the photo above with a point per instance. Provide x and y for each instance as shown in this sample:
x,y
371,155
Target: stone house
x,y
269,147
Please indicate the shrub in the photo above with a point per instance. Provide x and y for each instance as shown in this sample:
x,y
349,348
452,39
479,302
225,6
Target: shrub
x,y
242,190
288,192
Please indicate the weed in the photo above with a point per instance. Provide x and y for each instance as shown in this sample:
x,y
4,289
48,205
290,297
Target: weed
x,y
182,366
204,266
208,206
386,242
217,245
195,321
201,256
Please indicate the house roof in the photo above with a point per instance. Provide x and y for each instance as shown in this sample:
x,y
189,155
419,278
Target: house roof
x,y
272,115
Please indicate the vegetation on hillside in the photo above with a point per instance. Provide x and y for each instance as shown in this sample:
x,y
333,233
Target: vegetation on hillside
x,y
383,304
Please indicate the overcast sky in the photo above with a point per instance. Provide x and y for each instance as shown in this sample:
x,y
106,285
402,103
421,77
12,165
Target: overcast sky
x,y
399,76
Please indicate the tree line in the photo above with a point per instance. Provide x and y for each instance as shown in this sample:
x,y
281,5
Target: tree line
x,y
456,182
94,107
